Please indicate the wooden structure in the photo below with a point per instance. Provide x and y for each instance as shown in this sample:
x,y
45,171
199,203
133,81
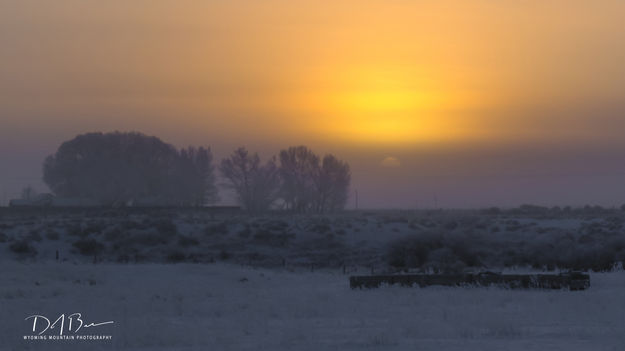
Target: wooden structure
x,y
571,280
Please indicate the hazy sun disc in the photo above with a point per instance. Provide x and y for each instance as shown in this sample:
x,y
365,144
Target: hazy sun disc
x,y
388,105
390,162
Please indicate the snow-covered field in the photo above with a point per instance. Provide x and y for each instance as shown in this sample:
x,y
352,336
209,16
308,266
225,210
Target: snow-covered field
x,y
231,307
174,279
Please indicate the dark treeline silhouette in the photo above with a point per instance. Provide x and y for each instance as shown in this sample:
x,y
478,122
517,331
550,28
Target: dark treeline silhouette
x,y
256,185
120,169
302,182
311,184
130,168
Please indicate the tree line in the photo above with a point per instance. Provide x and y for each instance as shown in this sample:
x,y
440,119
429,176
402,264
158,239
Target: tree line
x,y
119,169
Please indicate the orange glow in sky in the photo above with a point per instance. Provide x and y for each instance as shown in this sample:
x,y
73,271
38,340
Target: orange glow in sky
x,y
346,71
366,80
383,106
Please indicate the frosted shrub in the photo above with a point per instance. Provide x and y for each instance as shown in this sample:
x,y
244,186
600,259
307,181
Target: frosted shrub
x,y
186,241
166,227
449,251
52,235
217,229
88,247
22,247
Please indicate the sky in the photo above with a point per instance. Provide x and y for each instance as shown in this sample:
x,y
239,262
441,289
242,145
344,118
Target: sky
x,y
447,103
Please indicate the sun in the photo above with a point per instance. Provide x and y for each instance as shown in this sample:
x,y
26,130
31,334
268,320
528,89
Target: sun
x,y
382,115
378,101
386,105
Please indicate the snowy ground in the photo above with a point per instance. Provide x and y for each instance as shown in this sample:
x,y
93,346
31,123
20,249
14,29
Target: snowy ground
x,y
188,280
230,307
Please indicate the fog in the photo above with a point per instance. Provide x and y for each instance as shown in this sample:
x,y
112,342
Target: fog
x,y
481,104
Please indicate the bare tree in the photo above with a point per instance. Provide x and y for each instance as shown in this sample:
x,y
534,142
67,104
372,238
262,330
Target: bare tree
x,y
332,184
256,185
298,169
308,185
196,172
204,165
